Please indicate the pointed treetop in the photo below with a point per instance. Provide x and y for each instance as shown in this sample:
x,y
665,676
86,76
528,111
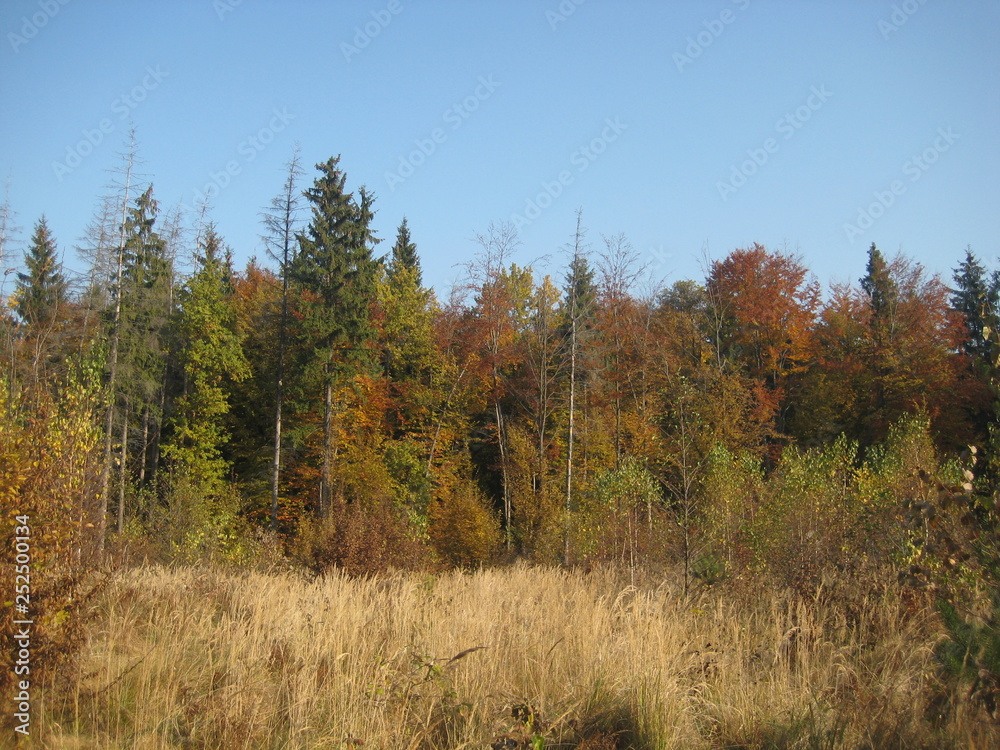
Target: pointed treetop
x,y
42,289
878,283
977,297
404,253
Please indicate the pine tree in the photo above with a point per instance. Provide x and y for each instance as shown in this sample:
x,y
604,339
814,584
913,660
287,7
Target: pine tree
x,y
41,291
335,272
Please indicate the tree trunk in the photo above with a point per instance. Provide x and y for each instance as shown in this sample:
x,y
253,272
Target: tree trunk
x,y
113,362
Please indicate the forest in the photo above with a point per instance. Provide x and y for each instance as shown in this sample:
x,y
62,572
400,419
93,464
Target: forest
x,y
321,411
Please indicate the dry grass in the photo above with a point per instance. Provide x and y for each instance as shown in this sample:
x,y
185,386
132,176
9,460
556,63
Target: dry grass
x,y
507,658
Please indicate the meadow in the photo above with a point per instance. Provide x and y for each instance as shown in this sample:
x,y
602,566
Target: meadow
x,y
507,657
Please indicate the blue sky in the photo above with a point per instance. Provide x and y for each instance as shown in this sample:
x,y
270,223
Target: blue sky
x,y
817,127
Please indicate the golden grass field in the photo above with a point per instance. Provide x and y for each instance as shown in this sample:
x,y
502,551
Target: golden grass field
x,y
517,657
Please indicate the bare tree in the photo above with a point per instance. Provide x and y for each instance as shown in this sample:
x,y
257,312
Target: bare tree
x,y
126,176
7,228
281,221
577,308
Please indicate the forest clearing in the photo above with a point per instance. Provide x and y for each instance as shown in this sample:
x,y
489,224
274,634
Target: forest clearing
x,y
518,657
561,375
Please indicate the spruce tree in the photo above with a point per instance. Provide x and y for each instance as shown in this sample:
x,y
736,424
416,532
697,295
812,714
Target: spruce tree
x,y
404,254
335,273
146,299
41,290
977,298
881,291
210,357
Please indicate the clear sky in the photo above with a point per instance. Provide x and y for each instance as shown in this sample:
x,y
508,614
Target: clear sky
x,y
815,126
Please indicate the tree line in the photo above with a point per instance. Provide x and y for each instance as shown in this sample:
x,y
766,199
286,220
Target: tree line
x,y
325,402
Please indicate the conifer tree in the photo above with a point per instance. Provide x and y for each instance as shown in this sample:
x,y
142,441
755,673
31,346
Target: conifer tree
x,y
404,254
146,305
408,348
336,273
41,290
210,356
978,301
881,293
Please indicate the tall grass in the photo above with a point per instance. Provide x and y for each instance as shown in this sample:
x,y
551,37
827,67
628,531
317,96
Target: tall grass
x,y
506,658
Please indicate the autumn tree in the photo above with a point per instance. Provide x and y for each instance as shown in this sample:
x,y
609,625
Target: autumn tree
x,y
538,387
886,349
622,326
495,322
768,306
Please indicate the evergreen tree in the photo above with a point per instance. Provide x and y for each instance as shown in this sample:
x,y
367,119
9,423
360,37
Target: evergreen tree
x,y
146,292
335,271
977,298
210,356
404,254
881,293
408,341
41,291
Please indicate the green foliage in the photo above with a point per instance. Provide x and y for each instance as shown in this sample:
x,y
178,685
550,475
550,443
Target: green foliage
x,y
42,291
211,356
806,521
618,518
953,531
404,255
733,487
335,270
195,526
978,301
406,466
